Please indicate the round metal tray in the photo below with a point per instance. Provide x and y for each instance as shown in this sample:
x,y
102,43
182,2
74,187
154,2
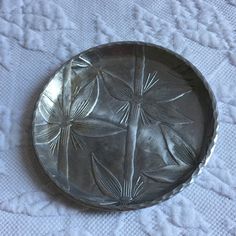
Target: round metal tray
x,y
124,125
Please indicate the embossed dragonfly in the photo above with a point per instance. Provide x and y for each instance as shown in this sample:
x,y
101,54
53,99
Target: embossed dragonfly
x,y
66,119
137,106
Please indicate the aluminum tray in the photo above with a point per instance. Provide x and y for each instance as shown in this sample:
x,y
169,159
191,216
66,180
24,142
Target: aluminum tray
x,y
124,125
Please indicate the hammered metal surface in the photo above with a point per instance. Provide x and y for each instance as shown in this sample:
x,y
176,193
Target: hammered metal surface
x,y
124,125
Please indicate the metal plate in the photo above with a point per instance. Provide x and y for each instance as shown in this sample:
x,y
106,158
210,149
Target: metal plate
x,y
124,125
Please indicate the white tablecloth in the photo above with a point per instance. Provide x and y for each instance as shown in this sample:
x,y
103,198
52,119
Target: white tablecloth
x,y
36,36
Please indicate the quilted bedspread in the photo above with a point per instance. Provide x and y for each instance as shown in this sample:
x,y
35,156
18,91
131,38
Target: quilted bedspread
x,y
37,36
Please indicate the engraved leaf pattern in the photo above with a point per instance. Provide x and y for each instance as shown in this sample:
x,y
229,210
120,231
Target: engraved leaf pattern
x,y
50,110
168,174
138,187
170,223
169,93
82,105
65,110
47,132
80,63
125,111
116,87
166,113
179,149
139,105
152,79
85,100
66,91
96,128
105,180
66,119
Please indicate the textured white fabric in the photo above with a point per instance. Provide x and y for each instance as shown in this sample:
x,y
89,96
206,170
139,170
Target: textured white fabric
x,y
36,36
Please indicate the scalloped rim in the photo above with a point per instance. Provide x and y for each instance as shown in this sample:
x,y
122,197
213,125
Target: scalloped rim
x,y
179,188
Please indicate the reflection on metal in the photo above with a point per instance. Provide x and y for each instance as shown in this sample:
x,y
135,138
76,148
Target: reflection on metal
x,y
124,125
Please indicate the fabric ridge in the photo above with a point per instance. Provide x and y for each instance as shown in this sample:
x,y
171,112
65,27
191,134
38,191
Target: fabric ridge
x,y
36,37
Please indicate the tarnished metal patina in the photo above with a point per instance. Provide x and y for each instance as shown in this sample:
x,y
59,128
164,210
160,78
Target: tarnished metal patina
x,y
124,125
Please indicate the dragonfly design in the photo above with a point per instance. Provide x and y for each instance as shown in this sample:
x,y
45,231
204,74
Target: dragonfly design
x,y
66,119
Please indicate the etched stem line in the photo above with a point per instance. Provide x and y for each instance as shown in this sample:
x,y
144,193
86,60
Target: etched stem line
x,y
132,129
63,158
